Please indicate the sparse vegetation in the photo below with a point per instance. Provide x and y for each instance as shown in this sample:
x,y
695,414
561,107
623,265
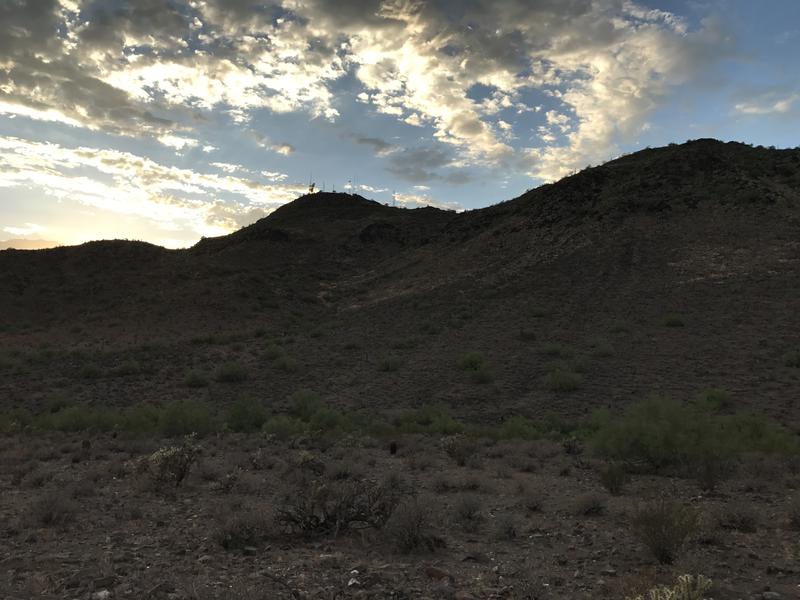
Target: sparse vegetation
x,y
662,433
408,529
672,321
230,372
562,380
663,526
687,587
614,478
792,359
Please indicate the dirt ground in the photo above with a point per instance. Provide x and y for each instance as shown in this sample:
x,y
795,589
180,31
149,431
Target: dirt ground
x,y
518,520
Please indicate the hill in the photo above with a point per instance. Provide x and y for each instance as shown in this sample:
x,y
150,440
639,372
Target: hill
x,y
26,244
671,269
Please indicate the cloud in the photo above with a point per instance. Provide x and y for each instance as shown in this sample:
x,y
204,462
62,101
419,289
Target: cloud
x,y
172,198
379,146
423,165
283,148
419,200
143,68
177,142
768,104
26,230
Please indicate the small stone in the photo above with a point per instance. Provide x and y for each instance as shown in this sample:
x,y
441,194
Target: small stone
x,y
249,550
462,595
771,596
609,572
101,595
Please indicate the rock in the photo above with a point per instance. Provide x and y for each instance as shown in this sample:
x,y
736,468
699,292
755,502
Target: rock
x,y
101,595
771,596
609,572
249,550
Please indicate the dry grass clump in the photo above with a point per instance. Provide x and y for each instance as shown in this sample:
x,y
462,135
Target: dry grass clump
x,y
408,529
663,526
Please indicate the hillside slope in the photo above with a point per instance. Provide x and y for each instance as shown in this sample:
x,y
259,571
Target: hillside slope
x,y
671,269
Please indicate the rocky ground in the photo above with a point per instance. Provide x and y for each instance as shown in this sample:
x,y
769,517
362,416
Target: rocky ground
x,y
80,518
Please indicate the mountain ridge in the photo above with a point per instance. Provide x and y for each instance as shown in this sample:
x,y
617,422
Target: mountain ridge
x,y
704,234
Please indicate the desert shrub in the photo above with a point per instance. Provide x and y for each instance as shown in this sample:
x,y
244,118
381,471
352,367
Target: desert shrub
x,y
738,516
246,415
714,399
90,371
272,352
126,368
475,364
659,432
284,427
80,417
589,505
171,464
408,529
557,350
239,529
230,372
562,379
303,404
431,419
184,417
792,359
471,361
52,509
613,477
467,512
195,379
672,321
663,526
317,508
460,448
687,588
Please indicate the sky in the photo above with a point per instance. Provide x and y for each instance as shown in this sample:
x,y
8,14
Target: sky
x,y
170,120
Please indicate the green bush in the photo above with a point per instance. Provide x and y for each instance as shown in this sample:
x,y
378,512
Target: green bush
x,y
184,417
246,416
562,380
471,361
792,359
431,419
660,432
284,427
126,368
230,372
287,363
195,379
304,403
